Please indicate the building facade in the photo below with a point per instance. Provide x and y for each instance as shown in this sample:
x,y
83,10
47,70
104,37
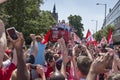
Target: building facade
x,y
113,18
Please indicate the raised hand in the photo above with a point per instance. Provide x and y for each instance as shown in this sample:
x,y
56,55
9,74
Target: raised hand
x,y
40,71
99,64
32,36
18,43
22,73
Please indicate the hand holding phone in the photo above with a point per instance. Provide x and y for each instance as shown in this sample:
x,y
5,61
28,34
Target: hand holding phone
x,y
12,33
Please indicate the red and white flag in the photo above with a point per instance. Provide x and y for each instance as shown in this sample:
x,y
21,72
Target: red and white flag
x,y
110,40
89,37
77,39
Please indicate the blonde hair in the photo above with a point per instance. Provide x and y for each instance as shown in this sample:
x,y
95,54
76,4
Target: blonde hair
x,y
3,39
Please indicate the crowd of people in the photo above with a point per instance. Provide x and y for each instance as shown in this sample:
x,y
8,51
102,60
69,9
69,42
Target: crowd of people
x,y
60,60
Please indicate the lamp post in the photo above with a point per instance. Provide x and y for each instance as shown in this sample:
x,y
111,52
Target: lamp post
x,y
105,11
96,21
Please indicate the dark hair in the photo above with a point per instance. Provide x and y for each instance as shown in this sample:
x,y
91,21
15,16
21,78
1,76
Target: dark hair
x,y
103,45
59,64
103,48
49,56
83,64
69,52
30,59
57,76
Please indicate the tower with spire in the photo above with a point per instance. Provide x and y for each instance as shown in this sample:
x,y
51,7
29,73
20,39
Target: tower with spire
x,y
55,15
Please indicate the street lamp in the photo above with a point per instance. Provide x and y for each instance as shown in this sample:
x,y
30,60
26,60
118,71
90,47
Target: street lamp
x,y
96,21
105,11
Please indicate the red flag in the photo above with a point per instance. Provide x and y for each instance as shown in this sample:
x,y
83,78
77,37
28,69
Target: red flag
x,y
46,37
95,43
110,40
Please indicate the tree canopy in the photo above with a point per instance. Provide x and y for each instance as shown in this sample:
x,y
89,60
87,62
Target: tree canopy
x,y
26,16
75,21
103,33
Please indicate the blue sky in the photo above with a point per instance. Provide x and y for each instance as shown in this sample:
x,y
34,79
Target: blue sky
x,y
87,9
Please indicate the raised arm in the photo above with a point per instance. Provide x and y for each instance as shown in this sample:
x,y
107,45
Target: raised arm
x,y
34,45
40,71
98,66
22,73
74,62
64,56
88,53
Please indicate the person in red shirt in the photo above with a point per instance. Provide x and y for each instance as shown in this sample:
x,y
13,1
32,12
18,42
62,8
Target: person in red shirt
x,y
5,73
50,64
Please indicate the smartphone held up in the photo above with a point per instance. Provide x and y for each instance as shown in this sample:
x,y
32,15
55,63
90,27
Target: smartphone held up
x,y
12,33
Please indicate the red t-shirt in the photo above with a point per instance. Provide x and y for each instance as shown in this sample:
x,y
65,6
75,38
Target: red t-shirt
x,y
5,74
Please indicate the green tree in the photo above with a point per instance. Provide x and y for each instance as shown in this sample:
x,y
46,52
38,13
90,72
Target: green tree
x,y
46,20
75,21
26,16
99,35
104,32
